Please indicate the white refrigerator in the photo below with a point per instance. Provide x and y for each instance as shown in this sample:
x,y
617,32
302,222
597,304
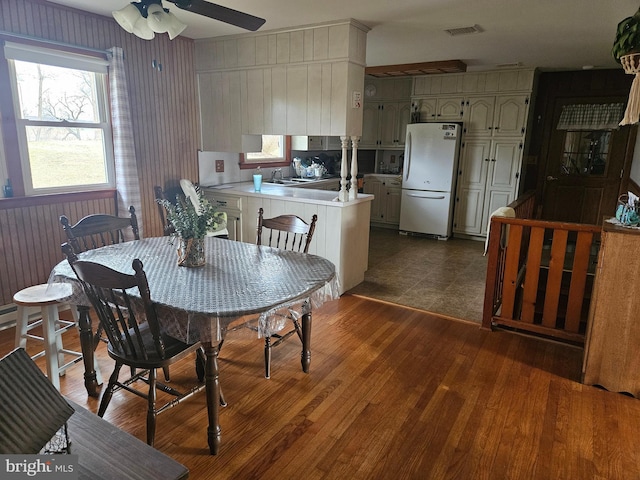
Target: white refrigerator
x,y
429,178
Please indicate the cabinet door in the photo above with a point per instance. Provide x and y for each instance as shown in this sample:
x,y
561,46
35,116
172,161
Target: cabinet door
x,y
475,159
510,115
374,187
468,211
404,116
478,116
475,156
369,125
388,122
502,177
449,109
504,165
493,200
220,92
426,109
234,224
392,210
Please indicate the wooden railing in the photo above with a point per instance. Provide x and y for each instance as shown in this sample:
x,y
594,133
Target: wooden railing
x,y
540,276
525,205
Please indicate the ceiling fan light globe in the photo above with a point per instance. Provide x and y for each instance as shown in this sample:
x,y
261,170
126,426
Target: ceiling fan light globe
x,y
157,18
141,29
176,27
127,17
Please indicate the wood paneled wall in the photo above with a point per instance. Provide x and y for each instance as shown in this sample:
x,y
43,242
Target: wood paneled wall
x,y
164,108
32,235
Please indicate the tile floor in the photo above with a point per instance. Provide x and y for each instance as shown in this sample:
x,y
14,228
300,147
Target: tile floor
x,y
445,277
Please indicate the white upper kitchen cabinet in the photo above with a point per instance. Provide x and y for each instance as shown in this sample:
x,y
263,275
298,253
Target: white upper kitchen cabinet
x,y
386,112
502,115
298,81
439,109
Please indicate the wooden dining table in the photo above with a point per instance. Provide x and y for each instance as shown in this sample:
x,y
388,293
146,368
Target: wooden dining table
x,y
198,304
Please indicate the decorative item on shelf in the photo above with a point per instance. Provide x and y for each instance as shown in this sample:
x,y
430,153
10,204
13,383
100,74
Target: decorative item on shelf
x,y
191,223
626,51
627,209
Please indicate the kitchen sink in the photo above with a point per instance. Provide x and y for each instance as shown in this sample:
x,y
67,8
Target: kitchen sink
x,y
292,181
303,180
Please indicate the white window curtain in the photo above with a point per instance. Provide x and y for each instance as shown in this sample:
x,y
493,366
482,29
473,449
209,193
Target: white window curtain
x,y
126,167
605,116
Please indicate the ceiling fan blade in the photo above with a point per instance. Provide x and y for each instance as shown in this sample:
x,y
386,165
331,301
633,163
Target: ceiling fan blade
x,y
218,12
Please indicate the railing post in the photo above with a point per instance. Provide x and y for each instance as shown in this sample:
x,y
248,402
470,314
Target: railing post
x,y
343,196
353,191
492,272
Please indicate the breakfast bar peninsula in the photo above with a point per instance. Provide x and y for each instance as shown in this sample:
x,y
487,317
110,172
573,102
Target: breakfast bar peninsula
x,y
342,230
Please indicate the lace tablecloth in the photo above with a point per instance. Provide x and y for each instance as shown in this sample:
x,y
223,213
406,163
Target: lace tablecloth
x,y
238,279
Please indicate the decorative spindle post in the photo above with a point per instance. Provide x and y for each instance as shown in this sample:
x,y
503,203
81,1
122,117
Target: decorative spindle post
x,y
353,192
343,196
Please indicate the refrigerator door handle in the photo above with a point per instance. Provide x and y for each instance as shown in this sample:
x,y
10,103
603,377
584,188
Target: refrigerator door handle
x,y
428,198
408,155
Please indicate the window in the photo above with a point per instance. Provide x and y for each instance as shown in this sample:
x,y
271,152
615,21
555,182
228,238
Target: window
x,y
62,119
276,149
585,152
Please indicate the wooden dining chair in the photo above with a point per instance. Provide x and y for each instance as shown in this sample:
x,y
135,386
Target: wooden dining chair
x,y
170,195
99,230
288,232
135,338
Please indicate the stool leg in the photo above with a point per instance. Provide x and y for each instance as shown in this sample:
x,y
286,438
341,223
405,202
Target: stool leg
x,y
58,335
22,321
49,321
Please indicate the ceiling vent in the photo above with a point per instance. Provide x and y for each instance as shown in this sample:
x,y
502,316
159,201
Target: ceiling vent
x,y
509,65
464,30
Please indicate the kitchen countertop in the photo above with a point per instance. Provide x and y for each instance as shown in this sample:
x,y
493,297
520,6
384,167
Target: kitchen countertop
x,y
303,195
384,175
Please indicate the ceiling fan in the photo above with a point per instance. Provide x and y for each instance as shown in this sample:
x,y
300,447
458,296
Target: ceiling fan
x,y
145,18
218,12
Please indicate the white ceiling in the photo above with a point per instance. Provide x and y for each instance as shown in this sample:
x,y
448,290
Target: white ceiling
x,y
549,34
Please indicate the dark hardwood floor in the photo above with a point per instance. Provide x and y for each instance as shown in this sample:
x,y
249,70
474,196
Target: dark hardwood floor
x,y
393,393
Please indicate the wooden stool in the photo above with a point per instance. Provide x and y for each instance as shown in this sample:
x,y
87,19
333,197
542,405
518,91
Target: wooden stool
x,y
47,297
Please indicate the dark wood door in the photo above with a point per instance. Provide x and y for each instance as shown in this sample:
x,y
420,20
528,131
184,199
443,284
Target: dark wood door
x,y
584,174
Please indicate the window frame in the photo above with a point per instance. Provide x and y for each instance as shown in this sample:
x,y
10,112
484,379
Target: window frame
x,y
46,55
275,162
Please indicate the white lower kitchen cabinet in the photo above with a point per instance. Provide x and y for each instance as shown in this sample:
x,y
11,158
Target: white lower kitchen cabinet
x,y
232,206
387,193
488,178
342,230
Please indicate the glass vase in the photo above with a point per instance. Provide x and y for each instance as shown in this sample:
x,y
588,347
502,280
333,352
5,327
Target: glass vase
x,y
191,252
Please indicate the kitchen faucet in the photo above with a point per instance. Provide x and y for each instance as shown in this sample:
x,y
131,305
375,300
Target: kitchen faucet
x,y
276,173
